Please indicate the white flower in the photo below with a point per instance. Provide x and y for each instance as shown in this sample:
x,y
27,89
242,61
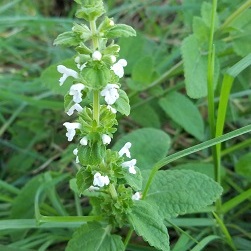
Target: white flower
x,y
131,165
100,180
75,152
136,196
66,73
76,107
113,110
110,93
106,139
84,141
111,22
75,91
125,150
71,127
118,67
96,55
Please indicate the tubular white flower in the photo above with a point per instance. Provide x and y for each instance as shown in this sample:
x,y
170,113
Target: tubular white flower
x,y
96,55
76,107
130,165
66,73
125,150
110,93
136,196
100,180
111,22
84,141
118,67
71,129
75,152
75,91
106,139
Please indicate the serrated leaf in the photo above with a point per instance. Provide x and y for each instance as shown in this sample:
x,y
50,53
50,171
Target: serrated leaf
x,y
147,223
195,66
93,236
122,104
68,38
84,180
91,154
50,77
120,30
96,78
133,180
184,113
201,30
182,191
148,146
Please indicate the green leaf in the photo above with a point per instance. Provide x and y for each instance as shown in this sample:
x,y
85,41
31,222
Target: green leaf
x,y
93,236
122,104
68,38
148,146
91,154
142,73
96,78
141,115
206,13
147,223
23,204
182,191
201,30
120,30
243,166
50,77
195,67
184,113
84,180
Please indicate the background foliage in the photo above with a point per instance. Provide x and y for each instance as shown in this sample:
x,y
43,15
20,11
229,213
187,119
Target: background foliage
x,y
33,148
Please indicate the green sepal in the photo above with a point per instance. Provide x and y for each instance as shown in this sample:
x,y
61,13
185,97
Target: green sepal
x,y
107,121
83,31
133,180
122,104
96,78
120,30
84,179
105,25
92,154
83,49
68,38
91,10
112,49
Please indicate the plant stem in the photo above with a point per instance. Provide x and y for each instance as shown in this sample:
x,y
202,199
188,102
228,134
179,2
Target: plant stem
x,y
128,237
95,45
96,106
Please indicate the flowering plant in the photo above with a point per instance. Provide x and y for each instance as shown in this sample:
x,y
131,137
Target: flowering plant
x,y
120,197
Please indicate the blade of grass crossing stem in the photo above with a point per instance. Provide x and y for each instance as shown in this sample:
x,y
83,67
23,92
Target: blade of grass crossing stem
x,y
236,201
191,150
225,231
200,246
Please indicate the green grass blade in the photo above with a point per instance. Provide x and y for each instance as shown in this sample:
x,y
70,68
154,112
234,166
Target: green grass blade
x,y
236,201
191,150
203,243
